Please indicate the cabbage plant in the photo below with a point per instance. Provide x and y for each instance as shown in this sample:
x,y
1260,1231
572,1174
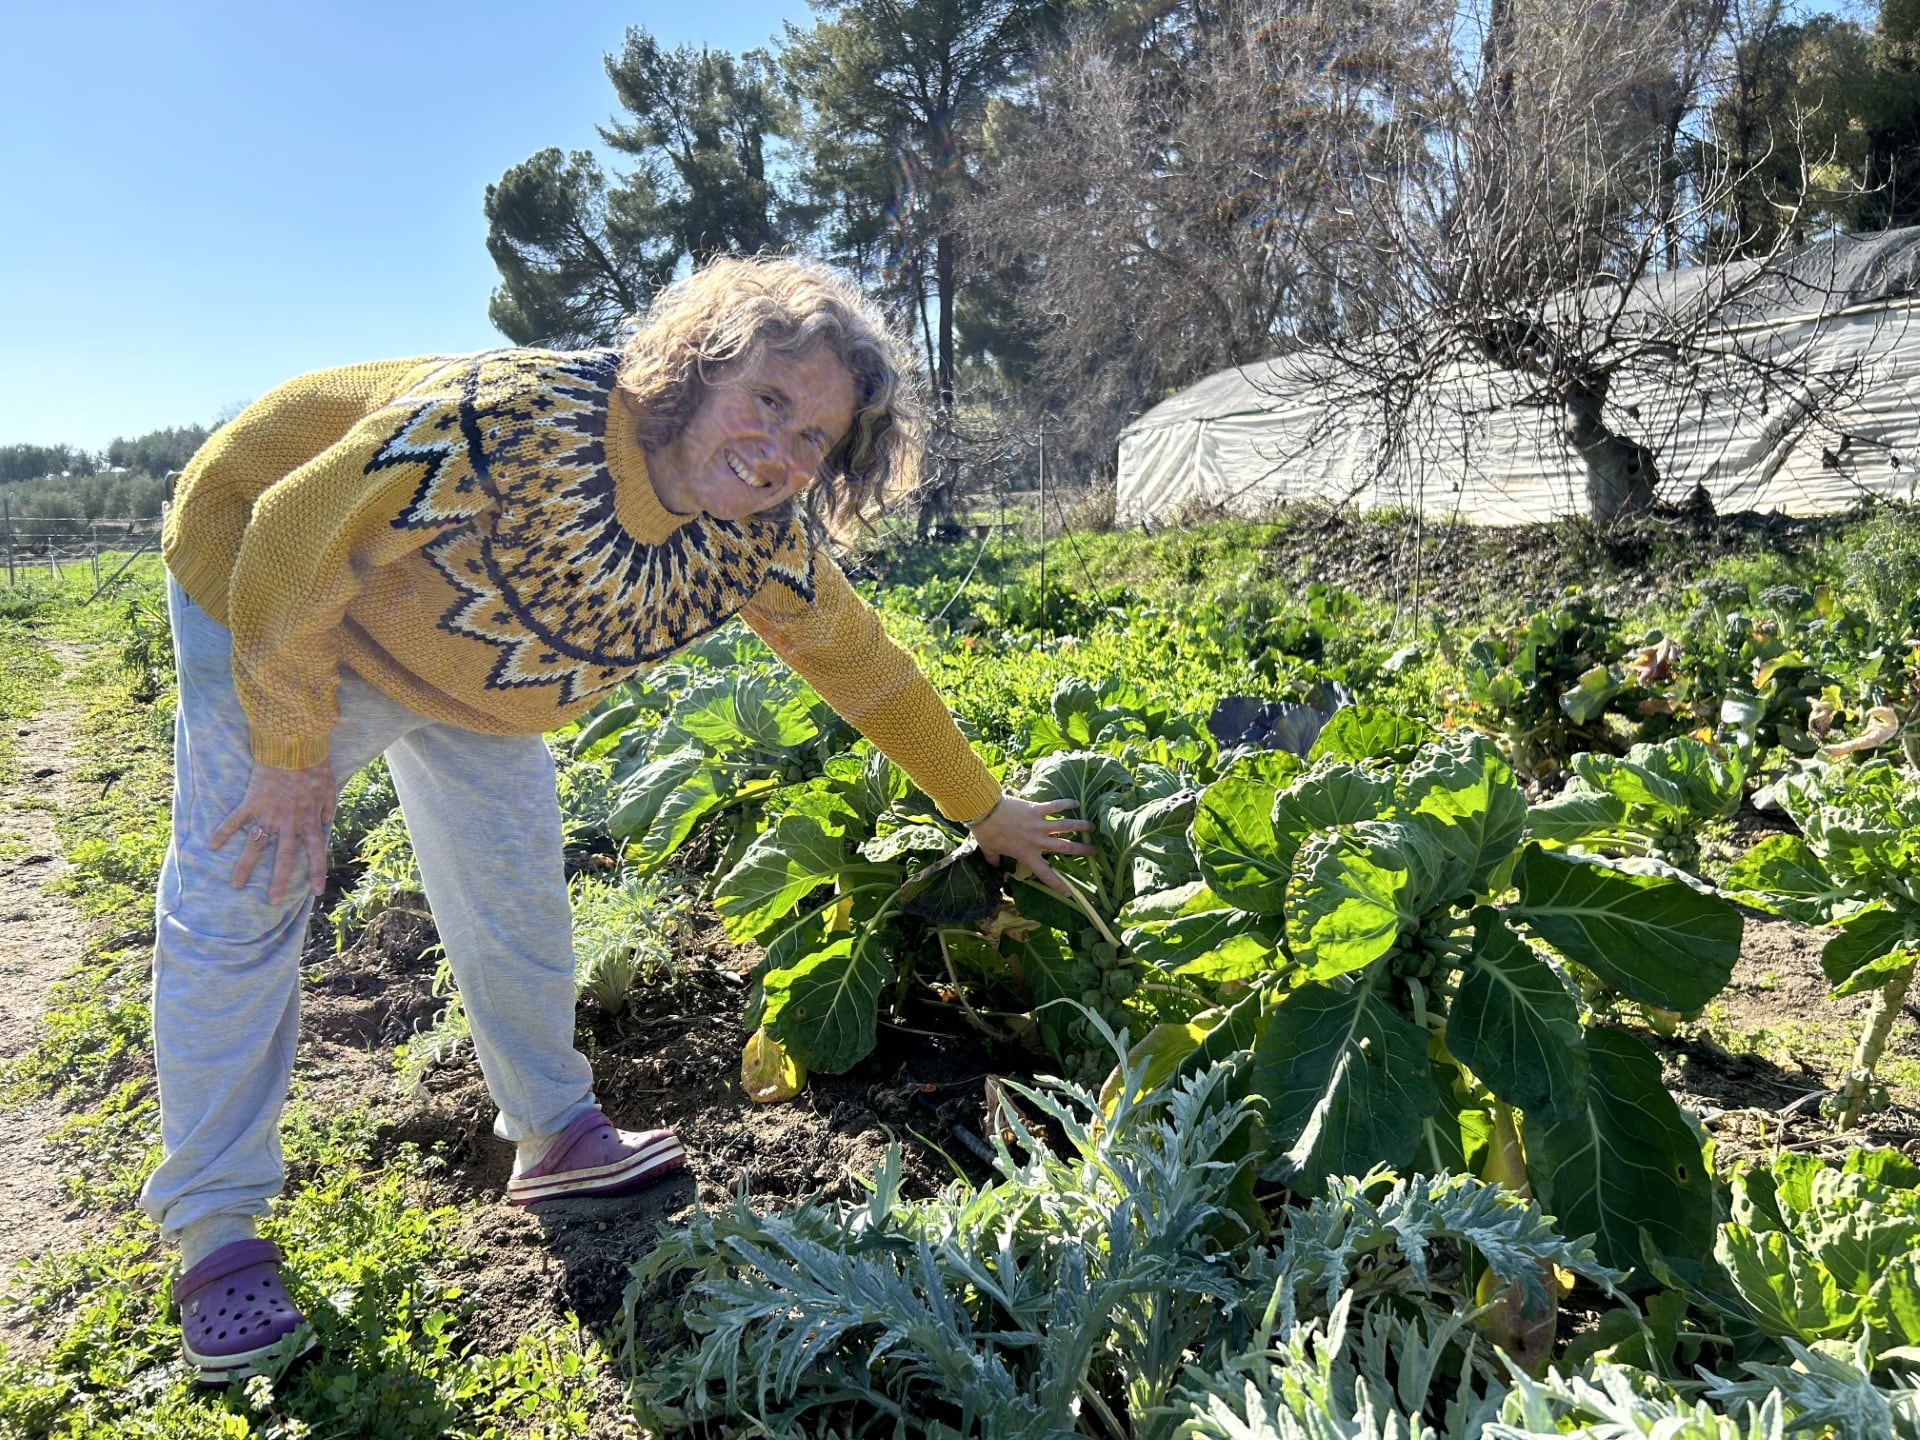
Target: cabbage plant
x,y
1830,1253
1653,802
1854,868
1404,951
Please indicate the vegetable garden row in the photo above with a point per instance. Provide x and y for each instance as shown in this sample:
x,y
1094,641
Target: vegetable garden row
x,y
1356,940
1358,1130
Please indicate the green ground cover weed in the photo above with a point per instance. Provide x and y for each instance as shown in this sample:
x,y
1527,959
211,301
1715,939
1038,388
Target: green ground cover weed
x,y
399,1356
27,669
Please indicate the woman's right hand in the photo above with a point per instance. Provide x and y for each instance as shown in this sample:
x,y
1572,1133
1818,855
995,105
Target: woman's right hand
x,y
289,811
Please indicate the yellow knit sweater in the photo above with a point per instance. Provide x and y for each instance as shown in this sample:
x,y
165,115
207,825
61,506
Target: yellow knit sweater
x,y
472,536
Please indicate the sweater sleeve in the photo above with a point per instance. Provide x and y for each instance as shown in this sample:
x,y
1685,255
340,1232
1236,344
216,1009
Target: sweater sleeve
x,y
314,537
839,646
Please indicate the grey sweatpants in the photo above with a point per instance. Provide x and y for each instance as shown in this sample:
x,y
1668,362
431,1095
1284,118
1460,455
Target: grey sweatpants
x,y
485,825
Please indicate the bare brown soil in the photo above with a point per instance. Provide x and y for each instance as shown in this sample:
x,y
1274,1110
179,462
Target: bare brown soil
x,y
42,938
1473,572
1774,1046
673,1060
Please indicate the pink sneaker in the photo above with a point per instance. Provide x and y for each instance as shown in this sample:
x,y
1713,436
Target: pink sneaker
x,y
591,1158
234,1312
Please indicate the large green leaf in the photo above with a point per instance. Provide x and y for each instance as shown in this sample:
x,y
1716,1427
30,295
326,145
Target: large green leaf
x,y
1347,1084
1625,1162
1082,776
1894,969
1172,1052
1045,965
696,797
603,725
907,840
742,711
1791,1293
1355,890
776,873
823,1007
1631,783
643,792
1456,1135
1654,939
1236,943
1865,937
1193,898
1897,1296
1272,768
1515,1026
1469,791
1866,850
1328,795
959,890
1588,697
1573,816
1233,841
871,783
1782,875
1148,843
1856,1229
1711,779
1357,732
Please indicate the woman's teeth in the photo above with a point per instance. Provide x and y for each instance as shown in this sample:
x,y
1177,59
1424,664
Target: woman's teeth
x,y
761,478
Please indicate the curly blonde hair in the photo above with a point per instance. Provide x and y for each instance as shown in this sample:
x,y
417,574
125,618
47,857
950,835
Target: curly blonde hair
x,y
734,311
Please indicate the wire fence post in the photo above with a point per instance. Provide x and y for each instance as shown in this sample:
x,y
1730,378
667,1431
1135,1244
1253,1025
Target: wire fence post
x,y
6,524
53,561
145,545
93,553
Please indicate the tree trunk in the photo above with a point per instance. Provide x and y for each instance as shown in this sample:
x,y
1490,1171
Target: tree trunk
x,y
1621,473
937,502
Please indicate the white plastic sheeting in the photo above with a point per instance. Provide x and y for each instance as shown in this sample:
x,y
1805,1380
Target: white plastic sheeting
x,y
1849,339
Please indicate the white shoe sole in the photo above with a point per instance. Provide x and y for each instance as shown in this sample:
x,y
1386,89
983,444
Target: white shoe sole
x,y
656,1160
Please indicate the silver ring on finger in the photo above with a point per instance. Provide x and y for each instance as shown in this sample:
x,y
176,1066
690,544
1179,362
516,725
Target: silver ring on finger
x,y
259,834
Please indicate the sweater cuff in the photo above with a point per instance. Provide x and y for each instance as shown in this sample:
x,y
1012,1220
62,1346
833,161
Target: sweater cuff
x,y
971,800
288,752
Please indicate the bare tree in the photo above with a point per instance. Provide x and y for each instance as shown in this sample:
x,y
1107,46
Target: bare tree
x,y
1538,223
1389,195
1170,202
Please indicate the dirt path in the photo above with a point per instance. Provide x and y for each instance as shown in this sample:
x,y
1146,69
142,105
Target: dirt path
x,y
42,937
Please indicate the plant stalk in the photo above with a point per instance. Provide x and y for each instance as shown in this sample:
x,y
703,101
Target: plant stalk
x,y
1092,914
959,993
1100,1408
1873,1040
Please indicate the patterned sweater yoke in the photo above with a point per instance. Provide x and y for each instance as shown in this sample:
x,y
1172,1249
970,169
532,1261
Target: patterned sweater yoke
x,y
478,537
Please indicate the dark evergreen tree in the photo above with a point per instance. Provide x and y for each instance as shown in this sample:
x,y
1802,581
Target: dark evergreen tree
x,y
896,95
577,255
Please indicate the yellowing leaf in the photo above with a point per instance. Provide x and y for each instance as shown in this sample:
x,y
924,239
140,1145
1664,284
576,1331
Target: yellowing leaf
x,y
841,917
767,1073
1882,726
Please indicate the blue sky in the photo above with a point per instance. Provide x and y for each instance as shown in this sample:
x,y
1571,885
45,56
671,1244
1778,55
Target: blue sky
x,y
205,197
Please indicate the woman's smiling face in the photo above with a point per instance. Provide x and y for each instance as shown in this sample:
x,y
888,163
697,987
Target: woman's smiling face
x,y
757,437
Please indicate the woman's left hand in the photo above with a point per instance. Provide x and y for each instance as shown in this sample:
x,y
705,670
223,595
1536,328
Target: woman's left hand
x,y
1027,830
